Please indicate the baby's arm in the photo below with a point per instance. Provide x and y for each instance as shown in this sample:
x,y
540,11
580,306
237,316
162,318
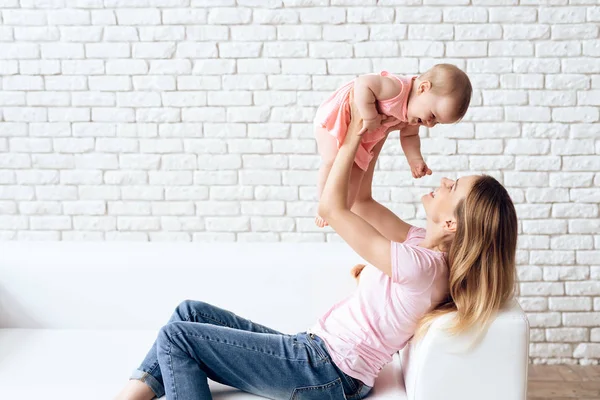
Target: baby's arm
x,y
411,145
367,90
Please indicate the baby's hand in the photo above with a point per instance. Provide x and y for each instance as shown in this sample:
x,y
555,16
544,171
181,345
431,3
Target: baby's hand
x,y
371,124
419,168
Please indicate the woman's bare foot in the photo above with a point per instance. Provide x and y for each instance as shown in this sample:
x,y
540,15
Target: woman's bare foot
x,y
136,390
320,222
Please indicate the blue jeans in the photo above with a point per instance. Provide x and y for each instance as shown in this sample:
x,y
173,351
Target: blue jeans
x,y
203,341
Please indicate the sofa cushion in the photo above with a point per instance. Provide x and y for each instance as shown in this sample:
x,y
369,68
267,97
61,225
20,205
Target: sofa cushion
x,y
95,364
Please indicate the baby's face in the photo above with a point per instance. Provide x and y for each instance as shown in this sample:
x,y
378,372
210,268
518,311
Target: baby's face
x,y
428,109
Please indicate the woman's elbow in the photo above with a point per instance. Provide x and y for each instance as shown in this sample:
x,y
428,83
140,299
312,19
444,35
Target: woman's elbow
x,y
324,209
328,207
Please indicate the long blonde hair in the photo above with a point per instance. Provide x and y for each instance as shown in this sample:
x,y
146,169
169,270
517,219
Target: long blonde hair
x,y
482,271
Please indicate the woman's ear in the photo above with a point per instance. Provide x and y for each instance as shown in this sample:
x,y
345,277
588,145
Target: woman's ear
x,y
450,226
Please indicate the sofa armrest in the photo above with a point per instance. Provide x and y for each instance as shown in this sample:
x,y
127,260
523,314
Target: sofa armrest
x,y
441,366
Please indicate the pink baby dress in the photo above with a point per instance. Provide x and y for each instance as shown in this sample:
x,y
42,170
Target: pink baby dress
x,y
334,115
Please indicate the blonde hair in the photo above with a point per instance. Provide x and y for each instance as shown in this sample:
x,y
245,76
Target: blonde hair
x,y
449,80
482,272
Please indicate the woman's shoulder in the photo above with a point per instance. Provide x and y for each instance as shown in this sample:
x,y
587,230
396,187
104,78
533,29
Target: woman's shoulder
x,y
411,246
414,232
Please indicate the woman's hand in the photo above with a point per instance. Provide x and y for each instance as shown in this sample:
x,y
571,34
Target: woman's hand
x,y
356,126
398,126
371,124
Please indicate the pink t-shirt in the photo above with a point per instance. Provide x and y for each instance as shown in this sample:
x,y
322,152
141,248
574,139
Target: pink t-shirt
x,y
363,331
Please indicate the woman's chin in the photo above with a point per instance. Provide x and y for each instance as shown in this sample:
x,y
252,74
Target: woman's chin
x,y
425,199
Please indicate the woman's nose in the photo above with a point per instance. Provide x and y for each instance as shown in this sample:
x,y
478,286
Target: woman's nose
x,y
447,182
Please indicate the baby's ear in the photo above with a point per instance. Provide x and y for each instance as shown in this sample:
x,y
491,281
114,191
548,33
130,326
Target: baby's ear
x,y
424,86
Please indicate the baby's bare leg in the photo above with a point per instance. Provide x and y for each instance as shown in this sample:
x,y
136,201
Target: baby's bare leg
x,y
356,176
327,146
321,180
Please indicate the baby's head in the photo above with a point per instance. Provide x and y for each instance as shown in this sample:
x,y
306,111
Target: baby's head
x,y
439,96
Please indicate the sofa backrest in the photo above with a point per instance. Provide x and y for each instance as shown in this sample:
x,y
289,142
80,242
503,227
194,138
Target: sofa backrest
x,y
127,285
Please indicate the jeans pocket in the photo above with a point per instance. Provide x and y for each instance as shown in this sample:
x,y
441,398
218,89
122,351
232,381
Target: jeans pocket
x,y
328,391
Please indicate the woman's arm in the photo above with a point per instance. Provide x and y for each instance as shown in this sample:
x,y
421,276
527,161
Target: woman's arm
x,y
380,217
367,241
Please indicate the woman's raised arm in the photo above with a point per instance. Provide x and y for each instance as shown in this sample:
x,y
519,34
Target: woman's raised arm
x,y
367,241
376,214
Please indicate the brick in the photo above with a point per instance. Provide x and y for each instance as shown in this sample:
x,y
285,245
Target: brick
x,y
434,32
526,32
583,319
513,14
570,210
548,319
576,31
529,273
533,211
275,17
567,334
24,17
545,227
587,350
533,303
181,223
582,288
570,303
121,34
585,195
550,350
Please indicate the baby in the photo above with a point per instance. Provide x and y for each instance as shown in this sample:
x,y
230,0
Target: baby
x,y
440,95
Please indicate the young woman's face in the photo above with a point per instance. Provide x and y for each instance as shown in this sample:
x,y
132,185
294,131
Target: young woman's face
x,y
441,203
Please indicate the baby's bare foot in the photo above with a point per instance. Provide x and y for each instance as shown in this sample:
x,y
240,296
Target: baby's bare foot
x,y
135,390
320,222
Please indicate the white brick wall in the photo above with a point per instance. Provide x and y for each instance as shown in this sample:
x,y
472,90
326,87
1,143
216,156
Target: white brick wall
x,y
191,120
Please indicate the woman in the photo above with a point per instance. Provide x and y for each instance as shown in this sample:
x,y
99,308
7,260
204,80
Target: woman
x,y
464,261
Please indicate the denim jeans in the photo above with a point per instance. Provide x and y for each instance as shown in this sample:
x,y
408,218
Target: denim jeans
x,y
203,341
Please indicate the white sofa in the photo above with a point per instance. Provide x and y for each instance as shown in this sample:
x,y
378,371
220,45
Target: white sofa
x,y
77,318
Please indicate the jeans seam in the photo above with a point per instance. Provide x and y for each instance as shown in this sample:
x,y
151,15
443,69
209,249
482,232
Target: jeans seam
x,y
173,386
317,387
153,368
356,395
350,381
316,347
213,319
238,346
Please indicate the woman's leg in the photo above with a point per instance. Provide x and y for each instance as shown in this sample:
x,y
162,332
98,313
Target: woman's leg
x,y
275,366
149,372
